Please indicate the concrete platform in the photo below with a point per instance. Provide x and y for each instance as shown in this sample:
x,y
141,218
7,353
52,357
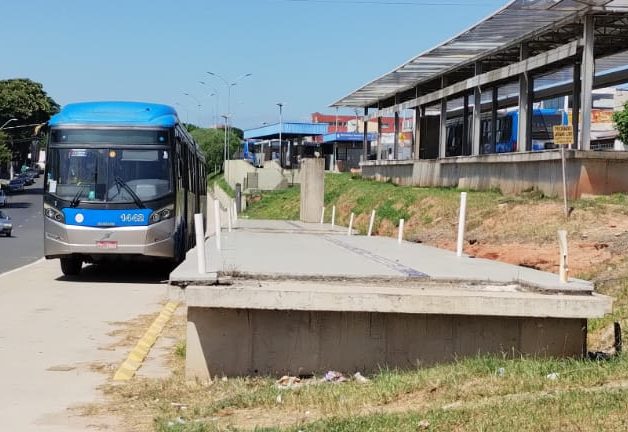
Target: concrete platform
x,y
287,297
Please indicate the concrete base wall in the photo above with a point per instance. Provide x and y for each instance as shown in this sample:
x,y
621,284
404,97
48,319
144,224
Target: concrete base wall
x,y
596,173
238,342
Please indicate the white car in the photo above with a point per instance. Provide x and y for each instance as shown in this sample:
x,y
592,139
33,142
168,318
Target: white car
x,y
3,198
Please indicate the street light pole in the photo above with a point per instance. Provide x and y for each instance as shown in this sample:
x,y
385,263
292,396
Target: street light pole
x,y
280,105
214,93
7,122
224,155
228,85
198,102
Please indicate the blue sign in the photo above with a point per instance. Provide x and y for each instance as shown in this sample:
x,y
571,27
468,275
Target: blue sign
x,y
106,218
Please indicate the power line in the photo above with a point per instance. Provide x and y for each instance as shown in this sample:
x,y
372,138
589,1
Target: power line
x,y
394,3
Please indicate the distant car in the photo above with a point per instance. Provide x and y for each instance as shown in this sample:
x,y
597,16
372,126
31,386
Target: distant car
x,y
34,172
3,198
27,178
5,224
15,185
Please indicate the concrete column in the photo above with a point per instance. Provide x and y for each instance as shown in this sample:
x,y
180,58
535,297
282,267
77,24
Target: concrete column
x,y
465,126
442,143
312,189
575,110
379,138
396,138
477,115
525,101
588,72
495,94
417,132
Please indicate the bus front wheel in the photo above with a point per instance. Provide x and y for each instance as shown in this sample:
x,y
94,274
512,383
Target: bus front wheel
x,y
71,266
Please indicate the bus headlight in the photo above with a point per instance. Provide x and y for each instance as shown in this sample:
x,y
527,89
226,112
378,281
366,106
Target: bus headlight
x,y
53,213
162,214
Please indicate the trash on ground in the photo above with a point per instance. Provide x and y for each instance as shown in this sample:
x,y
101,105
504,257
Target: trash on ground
x,y
552,377
288,382
335,377
501,372
360,378
423,424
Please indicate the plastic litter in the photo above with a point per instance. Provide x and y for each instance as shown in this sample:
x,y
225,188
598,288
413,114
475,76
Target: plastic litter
x,y
423,424
335,377
360,378
501,372
552,377
288,382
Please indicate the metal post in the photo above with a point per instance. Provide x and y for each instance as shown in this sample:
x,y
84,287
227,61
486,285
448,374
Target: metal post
x,y
465,126
575,110
200,242
588,71
365,143
333,216
442,141
477,115
280,105
379,138
564,255
396,137
400,235
323,216
523,137
417,132
494,118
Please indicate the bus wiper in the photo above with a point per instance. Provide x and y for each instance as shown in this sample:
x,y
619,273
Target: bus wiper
x,y
77,198
131,192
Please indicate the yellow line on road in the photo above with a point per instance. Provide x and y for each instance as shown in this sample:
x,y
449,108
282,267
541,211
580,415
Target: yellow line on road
x,y
127,370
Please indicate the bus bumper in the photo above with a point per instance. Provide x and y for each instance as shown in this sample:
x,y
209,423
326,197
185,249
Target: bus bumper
x,y
155,240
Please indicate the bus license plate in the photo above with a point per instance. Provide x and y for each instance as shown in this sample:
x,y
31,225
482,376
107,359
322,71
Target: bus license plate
x,y
107,244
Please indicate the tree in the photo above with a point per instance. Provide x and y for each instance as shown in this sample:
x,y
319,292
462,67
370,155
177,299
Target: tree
x,y
621,123
212,142
26,101
5,153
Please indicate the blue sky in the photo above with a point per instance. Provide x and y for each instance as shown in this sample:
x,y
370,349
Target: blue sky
x,y
303,53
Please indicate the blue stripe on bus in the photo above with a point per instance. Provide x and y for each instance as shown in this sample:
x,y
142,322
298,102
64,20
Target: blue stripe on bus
x,y
106,218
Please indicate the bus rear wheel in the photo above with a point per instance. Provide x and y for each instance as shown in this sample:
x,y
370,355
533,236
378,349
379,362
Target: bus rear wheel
x,y
71,266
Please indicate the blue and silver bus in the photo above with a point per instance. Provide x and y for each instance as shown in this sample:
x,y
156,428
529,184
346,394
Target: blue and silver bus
x,y
123,181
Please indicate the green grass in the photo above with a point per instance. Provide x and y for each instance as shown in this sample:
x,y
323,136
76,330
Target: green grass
x,y
465,395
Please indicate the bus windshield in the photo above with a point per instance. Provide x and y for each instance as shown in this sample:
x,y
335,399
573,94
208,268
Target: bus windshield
x,y
81,174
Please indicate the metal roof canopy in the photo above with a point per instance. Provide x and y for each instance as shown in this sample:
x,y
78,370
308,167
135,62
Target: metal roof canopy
x,y
512,24
288,130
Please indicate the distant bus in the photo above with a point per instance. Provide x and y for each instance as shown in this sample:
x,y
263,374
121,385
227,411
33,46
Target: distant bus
x,y
123,181
543,121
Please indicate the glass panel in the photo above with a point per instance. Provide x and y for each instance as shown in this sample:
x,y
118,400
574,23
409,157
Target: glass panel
x,y
99,174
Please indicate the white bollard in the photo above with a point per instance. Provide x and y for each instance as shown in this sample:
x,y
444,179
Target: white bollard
x,y
461,223
235,211
401,224
217,224
371,223
564,256
229,217
200,242
333,216
350,230
323,216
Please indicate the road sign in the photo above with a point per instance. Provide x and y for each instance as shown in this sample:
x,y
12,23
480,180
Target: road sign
x,y
563,135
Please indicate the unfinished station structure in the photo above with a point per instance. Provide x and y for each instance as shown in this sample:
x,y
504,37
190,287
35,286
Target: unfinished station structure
x,y
485,101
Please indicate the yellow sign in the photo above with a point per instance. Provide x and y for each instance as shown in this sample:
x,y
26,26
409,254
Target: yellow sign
x,y
563,135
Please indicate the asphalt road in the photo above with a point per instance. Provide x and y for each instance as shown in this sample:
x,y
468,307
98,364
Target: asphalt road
x,y
27,242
